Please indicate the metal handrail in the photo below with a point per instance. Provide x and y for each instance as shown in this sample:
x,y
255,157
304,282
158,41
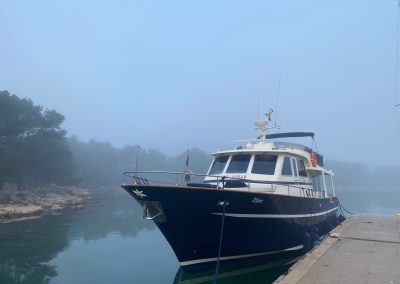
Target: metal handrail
x,y
220,180
133,174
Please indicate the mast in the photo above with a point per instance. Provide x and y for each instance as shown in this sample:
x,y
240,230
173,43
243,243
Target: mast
x,y
262,126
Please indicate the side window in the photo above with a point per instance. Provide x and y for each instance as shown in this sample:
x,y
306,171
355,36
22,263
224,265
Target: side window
x,y
287,167
316,183
218,165
302,168
294,163
239,164
264,164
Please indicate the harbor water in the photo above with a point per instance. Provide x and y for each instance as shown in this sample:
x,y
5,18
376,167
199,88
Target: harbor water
x,y
107,242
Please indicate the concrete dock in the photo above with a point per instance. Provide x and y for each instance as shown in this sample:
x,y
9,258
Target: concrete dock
x,y
363,249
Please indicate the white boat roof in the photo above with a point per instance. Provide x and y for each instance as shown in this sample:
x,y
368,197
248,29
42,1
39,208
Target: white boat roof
x,y
261,145
278,147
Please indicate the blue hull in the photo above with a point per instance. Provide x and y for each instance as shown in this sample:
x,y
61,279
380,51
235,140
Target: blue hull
x,y
260,226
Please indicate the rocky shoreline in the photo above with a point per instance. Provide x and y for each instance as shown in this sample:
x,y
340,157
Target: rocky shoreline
x,y
18,205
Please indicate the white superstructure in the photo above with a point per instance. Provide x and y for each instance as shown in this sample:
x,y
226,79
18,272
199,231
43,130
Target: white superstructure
x,y
275,167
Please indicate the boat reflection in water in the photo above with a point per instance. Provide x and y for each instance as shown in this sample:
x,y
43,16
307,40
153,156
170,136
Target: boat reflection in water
x,y
246,272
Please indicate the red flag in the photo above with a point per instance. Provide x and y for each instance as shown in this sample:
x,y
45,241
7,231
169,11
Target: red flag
x,y
187,159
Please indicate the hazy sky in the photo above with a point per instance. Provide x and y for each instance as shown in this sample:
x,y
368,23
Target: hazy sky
x,y
173,75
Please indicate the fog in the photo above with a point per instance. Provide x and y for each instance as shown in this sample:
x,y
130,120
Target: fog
x,y
360,187
104,87
176,75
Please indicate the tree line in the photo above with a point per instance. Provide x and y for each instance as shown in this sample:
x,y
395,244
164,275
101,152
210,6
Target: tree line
x,y
101,164
33,146
35,151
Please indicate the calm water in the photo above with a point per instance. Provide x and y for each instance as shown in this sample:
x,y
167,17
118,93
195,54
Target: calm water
x,y
108,242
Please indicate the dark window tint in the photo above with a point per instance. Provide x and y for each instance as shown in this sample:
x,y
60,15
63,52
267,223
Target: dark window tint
x,y
264,164
287,167
302,168
218,165
296,173
239,164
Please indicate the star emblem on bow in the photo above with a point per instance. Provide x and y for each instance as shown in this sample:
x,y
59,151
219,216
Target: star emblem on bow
x,y
139,193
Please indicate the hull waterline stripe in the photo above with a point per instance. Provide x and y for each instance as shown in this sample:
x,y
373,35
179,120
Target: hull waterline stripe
x,y
197,261
276,216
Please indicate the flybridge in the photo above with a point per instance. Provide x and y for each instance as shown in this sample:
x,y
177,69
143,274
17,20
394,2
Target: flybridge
x,y
263,126
264,137
261,142
289,135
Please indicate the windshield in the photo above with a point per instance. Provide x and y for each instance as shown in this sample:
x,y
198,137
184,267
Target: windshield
x,y
264,164
239,164
218,165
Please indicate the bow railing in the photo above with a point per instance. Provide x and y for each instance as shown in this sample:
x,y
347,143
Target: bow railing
x,y
188,178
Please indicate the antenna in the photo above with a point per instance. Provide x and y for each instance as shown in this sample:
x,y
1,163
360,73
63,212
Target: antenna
x,y
396,96
258,107
277,98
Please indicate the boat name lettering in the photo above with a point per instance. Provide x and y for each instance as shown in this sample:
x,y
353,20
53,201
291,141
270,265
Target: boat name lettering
x,y
236,176
257,200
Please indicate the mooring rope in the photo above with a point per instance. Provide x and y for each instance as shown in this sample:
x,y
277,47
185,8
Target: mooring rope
x,y
223,204
342,208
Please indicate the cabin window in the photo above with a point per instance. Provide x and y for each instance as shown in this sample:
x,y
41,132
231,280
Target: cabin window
x,y
264,164
218,165
294,163
316,183
239,164
287,167
301,167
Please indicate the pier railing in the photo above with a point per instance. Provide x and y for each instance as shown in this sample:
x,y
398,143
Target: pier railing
x,y
188,178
